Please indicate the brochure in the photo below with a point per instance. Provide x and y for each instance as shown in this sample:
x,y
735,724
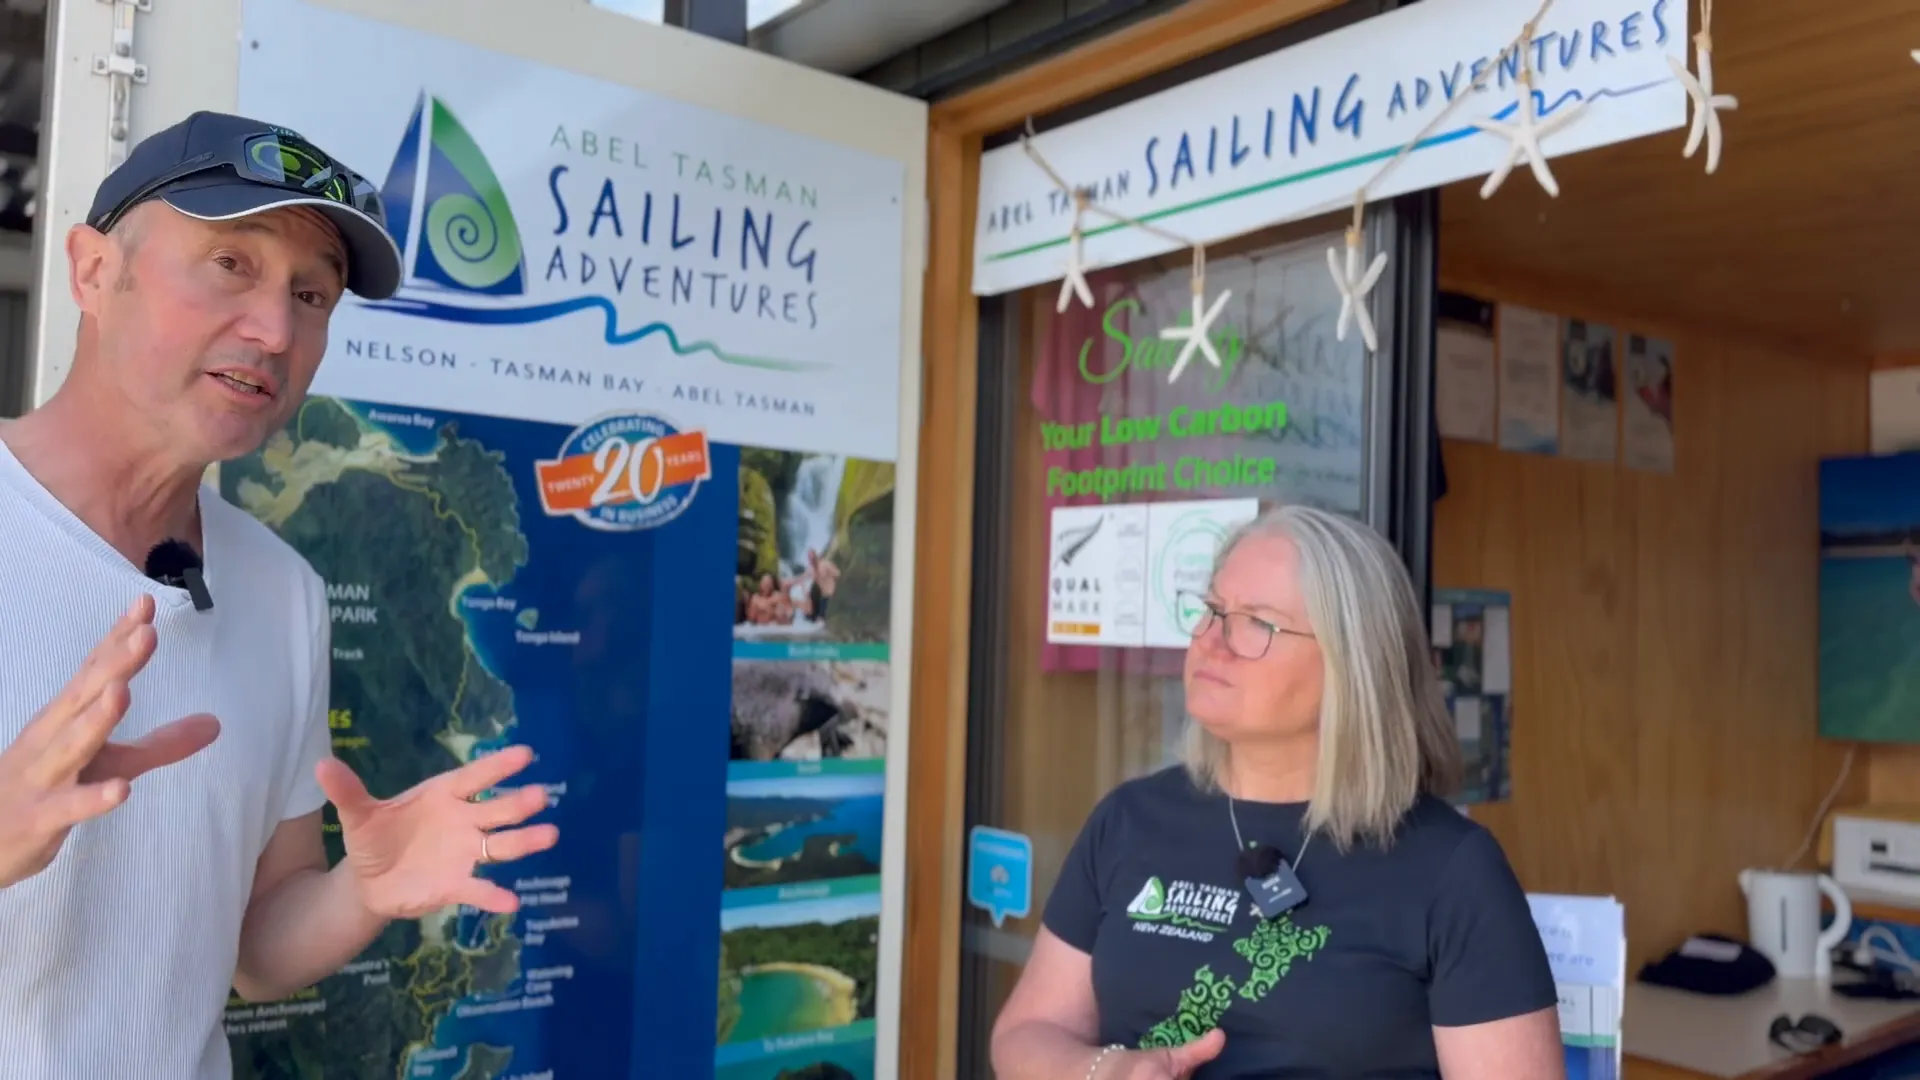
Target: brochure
x,y
1586,939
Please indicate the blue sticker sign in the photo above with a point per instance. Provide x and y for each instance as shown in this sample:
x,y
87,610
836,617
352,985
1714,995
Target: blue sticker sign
x,y
1000,873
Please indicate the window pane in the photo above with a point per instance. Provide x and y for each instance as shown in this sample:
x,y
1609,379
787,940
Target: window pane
x,y
760,12
652,11
1089,407
1281,418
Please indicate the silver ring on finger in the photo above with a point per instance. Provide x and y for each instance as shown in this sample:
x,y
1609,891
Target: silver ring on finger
x,y
486,856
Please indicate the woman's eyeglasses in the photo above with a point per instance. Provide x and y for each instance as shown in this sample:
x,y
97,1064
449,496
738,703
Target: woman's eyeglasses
x,y
1248,636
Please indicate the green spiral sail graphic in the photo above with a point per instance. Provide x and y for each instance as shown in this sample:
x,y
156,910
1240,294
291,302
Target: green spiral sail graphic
x,y
468,237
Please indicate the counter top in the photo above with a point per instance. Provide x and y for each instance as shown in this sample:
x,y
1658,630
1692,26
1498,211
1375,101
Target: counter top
x,y
1726,1037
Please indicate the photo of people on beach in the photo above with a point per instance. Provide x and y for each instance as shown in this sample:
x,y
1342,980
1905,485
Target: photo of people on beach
x,y
816,548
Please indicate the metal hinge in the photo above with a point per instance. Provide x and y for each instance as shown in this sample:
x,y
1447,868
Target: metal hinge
x,y
122,69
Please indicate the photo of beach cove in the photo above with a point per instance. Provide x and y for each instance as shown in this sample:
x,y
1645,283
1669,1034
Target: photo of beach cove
x,y
798,967
791,829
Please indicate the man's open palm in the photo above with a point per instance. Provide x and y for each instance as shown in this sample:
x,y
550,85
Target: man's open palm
x,y
62,770
415,853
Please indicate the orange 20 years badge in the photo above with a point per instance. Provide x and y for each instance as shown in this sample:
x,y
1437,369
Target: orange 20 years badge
x,y
624,472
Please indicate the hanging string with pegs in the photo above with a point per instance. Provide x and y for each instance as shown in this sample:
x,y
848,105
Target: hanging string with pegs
x,y
1355,284
1699,87
1195,333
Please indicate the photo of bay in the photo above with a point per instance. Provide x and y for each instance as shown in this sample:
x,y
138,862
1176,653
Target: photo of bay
x,y
792,968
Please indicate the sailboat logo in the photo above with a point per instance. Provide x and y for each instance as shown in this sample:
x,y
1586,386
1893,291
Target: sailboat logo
x,y
461,253
447,210
1151,903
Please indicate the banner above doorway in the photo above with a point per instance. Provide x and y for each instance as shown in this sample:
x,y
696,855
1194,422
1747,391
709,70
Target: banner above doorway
x,y
1296,132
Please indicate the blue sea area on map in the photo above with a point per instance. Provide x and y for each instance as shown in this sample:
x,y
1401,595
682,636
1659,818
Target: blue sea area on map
x,y
641,758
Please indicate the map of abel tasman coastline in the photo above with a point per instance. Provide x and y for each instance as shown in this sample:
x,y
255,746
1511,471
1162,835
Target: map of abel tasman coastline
x,y
463,620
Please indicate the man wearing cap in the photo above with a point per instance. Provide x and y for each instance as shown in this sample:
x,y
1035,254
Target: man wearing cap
x,y
205,275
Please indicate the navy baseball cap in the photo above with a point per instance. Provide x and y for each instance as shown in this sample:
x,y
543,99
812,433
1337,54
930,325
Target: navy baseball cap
x,y
218,167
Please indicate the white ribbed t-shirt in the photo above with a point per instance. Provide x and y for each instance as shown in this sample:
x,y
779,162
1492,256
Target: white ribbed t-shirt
x,y
118,957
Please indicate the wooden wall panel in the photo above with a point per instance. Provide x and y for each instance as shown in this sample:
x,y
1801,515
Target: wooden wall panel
x,y
1779,239
1664,626
1893,775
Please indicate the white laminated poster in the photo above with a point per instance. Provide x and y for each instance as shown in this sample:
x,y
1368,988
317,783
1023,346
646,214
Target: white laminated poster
x,y
1183,540
1096,576
1529,348
1472,632
1589,395
1465,375
1646,426
1465,387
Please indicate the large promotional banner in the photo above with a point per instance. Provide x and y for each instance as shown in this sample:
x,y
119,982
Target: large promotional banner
x,y
574,246
611,477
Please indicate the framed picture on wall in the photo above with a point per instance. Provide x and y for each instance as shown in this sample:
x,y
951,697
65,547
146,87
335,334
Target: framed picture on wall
x,y
1870,598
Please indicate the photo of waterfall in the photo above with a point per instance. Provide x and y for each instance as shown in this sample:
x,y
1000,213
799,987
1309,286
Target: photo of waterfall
x,y
816,549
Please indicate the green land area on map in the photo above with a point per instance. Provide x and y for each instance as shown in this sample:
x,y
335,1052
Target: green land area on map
x,y
398,536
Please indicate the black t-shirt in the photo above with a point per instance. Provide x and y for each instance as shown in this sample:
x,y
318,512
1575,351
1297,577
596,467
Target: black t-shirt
x,y
1432,930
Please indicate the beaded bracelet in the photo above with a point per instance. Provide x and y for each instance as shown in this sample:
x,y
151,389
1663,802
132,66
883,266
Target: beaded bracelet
x,y
1100,1057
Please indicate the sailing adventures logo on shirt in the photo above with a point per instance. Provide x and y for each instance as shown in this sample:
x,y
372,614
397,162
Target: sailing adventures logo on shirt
x,y
1183,909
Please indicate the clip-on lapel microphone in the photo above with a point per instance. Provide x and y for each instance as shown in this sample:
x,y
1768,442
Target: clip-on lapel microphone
x,y
174,563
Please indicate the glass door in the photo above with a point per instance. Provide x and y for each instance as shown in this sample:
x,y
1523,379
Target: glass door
x,y
1081,403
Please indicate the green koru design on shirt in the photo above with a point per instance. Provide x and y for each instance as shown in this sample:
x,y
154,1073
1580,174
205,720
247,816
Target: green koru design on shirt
x,y
1271,949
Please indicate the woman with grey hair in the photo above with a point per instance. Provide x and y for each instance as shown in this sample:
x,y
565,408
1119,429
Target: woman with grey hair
x,y
1298,900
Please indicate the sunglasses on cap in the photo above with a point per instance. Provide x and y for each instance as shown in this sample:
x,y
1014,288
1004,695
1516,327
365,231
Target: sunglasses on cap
x,y
275,158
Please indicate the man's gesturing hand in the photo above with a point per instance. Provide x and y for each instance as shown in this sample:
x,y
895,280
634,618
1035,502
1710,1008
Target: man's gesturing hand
x,y
62,770
415,853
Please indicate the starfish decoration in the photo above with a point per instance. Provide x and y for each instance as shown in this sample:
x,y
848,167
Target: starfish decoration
x,y
1195,334
1354,287
1706,103
1075,282
1523,137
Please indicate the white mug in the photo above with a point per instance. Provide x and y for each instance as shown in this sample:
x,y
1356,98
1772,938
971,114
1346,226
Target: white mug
x,y
1783,921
